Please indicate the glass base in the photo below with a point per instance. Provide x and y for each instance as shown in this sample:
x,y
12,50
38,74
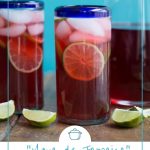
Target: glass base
x,y
123,102
83,122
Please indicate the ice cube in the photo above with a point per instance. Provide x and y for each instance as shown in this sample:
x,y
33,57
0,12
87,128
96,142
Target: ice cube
x,y
16,16
35,29
13,30
105,23
77,36
63,30
87,25
108,35
37,16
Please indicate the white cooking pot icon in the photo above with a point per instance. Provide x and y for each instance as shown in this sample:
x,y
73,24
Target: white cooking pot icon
x,y
75,134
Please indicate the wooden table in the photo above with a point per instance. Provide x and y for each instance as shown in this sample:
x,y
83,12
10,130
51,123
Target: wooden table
x,y
18,129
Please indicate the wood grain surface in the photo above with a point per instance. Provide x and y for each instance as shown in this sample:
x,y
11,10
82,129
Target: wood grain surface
x,y
20,130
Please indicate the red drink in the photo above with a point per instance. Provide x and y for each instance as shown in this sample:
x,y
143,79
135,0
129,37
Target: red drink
x,y
82,60
21,63
3,69
126,68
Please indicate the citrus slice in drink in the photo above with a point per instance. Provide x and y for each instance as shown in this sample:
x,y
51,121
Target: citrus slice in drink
x,y
25,55
83,61
106,51
39,118
7,109
59,50
126,118
36,39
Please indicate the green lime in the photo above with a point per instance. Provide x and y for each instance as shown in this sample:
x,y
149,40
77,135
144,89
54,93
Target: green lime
x,y
126,118
7,109
146,113
136,108
39,118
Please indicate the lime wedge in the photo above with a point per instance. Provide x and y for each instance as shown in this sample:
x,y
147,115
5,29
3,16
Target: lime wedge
x,y
136,108
39,118
126,118
146,113
7,109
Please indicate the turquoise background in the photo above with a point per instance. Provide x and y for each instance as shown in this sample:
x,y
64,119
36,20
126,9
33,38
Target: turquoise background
x,y
129,11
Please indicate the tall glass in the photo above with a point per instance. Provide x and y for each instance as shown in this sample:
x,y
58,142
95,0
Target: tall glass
x,y
82,36
130,59
21,40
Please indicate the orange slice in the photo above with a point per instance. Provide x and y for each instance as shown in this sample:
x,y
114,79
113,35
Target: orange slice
x,y
25,55
83,61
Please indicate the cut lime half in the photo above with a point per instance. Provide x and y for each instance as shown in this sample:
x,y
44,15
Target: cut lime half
x,y
126,118
39,118
7,109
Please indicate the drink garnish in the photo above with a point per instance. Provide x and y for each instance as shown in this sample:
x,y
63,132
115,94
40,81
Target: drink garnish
x,y
83,61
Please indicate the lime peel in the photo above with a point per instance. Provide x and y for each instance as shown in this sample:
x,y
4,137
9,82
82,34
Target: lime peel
x,y
7,109
39,118
127,118
146,113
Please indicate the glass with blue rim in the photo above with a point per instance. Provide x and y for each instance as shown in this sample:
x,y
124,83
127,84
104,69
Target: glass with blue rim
x,y
21,52
82,39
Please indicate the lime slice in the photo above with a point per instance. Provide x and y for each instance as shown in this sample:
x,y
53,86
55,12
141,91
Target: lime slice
x,y
146,113
28,58
39,118
136,108
127,118
83,61
7,109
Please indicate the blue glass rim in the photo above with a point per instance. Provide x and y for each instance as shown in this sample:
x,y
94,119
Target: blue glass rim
x,y
20,4
82,11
